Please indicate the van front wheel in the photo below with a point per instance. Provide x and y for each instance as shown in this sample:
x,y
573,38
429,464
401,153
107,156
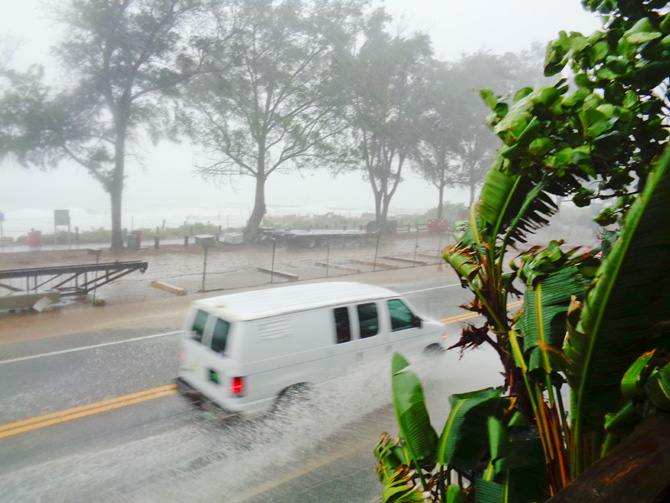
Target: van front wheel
x,y
433,350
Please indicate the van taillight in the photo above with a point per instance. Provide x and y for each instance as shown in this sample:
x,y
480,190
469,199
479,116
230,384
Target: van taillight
x,y
237,386
181,355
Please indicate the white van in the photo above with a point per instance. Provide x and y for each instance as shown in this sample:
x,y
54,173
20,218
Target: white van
x,y
242,351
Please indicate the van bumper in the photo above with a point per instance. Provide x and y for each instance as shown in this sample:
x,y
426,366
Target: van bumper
x,y
197,398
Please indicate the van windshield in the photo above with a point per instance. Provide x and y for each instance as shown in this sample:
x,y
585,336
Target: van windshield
x,y
402,317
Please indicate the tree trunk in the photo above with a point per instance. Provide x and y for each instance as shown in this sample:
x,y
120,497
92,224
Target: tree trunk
x,y
115,194
440,209
472,193
257,214
115,186
386,202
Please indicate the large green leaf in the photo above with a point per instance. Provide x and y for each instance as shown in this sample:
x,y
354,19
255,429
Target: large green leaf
x,y
464,439
512,204
410,409
463,261
487,491
658,388
456,495
630,297
544,314
517,462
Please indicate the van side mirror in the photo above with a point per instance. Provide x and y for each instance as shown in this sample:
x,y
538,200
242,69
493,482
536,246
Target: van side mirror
x,y
417,322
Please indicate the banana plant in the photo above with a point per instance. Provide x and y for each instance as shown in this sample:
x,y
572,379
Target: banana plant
x,y
585,320
612,312
447,469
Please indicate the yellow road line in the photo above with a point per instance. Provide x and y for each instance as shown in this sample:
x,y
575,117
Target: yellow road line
x,y
35,423
85,410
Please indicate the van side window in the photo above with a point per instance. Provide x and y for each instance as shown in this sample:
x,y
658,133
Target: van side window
x,y
198,326
342,325
220,335
402,317
367,319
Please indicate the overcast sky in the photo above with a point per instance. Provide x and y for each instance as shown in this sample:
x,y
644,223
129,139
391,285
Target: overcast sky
x,y
165,182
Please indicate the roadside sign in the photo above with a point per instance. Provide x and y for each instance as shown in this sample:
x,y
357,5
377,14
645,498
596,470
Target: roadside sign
x,y
62,217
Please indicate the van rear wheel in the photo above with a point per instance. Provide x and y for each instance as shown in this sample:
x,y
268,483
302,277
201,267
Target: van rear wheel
x,y
291,396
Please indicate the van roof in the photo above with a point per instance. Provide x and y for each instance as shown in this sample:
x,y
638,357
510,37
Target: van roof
x,y
275,301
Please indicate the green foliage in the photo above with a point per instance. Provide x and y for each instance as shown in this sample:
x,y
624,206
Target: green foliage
x,y
615,326
479,436
411,412
601,137
463,441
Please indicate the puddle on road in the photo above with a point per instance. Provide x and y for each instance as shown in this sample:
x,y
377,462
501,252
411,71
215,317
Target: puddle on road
x,y
204,460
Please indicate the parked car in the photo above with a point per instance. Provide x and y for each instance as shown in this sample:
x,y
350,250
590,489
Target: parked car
x,y
438,226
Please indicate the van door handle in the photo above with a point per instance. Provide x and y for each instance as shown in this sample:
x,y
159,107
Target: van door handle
x,y
359,356
389,348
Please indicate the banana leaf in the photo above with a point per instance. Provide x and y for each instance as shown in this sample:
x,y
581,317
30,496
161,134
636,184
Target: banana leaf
x,y
398,489
411,412
544,315
658,388
487,491
391,457
623,422
512,204
635,377
456,495
464,440
630,297
517,462
463,262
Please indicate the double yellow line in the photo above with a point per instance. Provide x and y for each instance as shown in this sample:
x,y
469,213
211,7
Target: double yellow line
x,y
35,423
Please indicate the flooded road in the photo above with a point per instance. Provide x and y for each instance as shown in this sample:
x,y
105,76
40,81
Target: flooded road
x,y
164,450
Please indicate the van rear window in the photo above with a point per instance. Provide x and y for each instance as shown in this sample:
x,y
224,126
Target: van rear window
x,y
220,335
198,326
367,319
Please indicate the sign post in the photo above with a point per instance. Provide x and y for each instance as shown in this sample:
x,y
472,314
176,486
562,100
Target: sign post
x,y
62,218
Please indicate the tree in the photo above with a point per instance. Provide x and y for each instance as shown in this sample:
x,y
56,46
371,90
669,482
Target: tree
x,y
456,148
382,80
433,153
123,58
264,102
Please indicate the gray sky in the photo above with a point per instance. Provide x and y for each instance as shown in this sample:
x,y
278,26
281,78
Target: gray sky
x,y
164,182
